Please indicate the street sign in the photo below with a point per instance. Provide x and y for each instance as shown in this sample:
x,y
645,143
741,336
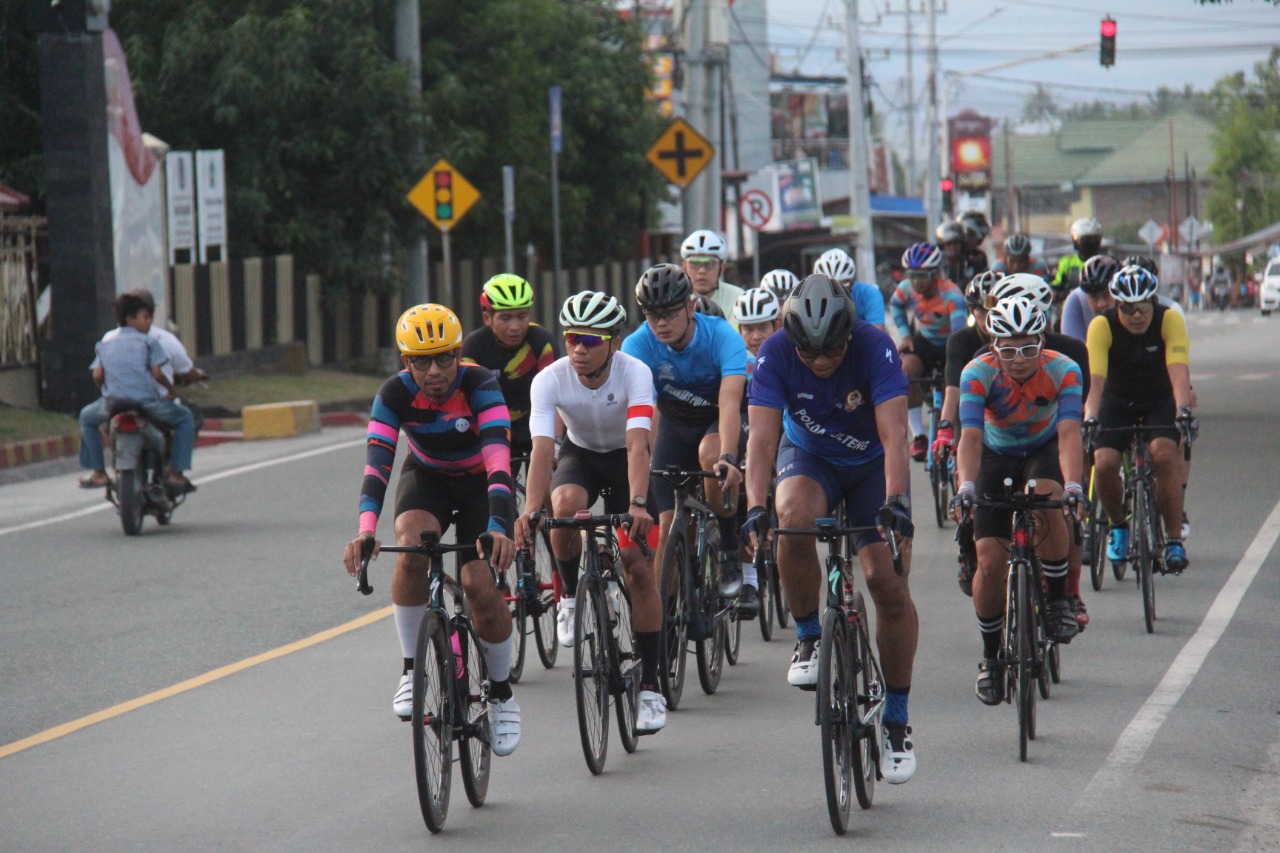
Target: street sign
x,y
756,209
1191,229
680,153
443,196
1150,232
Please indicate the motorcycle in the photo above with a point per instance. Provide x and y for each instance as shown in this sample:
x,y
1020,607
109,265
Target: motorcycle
x,y
140,457
1220,291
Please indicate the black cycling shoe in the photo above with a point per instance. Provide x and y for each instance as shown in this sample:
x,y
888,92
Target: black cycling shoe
x,y
965,578
748,602
1061,625
730,576
990,683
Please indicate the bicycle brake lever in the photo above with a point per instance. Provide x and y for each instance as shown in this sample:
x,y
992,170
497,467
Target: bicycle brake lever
x,y
362,576
886,522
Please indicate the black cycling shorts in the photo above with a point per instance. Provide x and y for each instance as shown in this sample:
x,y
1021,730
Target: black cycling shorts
x,y
441,494
934,356
677,444
595,471
1119,412
1040,465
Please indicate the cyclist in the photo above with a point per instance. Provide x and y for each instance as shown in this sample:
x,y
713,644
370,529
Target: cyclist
x,y
830,448
605,399
1086,238
699,366
949,237
836,265
975,228
1019,416
459,459
702,304
704,254
1016,256
512,347
937,308
780,283
1140,358
1091,298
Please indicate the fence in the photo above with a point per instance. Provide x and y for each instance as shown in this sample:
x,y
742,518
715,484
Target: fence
x,y
19,340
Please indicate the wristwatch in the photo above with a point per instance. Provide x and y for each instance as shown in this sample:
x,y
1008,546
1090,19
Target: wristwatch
x,y
638,500
903,501
730,458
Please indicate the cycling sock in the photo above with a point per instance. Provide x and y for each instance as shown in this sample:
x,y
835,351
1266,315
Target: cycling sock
x,y
991,630
895,706
408,666
569,575
408,619
749,575
1073,579
649,644
1055,574
728,533
497,658
500,691
916,419
808,627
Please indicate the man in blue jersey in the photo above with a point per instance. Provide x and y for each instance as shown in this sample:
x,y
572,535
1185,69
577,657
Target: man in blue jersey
x,y
829,405
699,366
836,265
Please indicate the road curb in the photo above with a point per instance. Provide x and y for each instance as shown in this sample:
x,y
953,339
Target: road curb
x,y
280,420
35,450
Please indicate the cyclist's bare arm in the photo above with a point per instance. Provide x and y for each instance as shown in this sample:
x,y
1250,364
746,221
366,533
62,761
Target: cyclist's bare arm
x,y
891,424
638,478
762,452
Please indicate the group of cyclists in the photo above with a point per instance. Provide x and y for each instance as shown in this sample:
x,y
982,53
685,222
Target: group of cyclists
x,y
797,395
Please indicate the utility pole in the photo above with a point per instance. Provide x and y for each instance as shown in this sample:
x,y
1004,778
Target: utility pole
x,y
408,42
933,173
913,176
860,159
701,200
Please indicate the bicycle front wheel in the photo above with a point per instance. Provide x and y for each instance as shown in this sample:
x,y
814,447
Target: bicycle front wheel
x,y
775,590
1025,677
939,483
519,619
628,666
473,708
1143,540
1094,547
836,717
544,626
867,707
591,670
433,715
732,636
675,613
768,603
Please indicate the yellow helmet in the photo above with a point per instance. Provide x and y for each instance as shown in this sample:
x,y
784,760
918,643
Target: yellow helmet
x,y
428,329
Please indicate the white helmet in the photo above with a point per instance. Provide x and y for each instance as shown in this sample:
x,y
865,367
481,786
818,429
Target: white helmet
x,y
1015,317
591,309
836,265
705,243
780,282
1026,285
756,305
1133,284
1086,226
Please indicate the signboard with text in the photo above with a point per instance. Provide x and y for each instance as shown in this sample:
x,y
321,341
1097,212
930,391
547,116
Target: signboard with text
x,y
211,199
970,135
180,192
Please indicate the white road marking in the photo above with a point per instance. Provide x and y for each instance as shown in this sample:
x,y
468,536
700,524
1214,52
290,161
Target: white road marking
x,y
1254,377
1113,777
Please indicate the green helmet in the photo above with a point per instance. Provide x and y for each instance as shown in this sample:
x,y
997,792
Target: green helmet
x,y
506,292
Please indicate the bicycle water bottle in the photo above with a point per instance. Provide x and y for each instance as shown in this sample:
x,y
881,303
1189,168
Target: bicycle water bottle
x,y
460,668
614,593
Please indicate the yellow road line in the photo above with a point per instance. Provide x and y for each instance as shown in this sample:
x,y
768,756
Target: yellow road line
x,y
190,684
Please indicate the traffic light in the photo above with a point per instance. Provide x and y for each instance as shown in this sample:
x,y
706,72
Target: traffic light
x,y
947,185
1107,48
444,195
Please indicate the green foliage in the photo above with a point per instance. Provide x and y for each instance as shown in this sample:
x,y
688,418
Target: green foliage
x,y
1246,167
21,160
1164,101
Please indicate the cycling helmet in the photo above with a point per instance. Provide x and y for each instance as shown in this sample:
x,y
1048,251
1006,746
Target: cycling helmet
x,y
756,305
1015,317
705,243
836,265
978,293
921,256
1026,285
1017,246
591,309
1086,226
662,285
1133,284
780,283
428,329
702,304
819,315
949,232
1142,261
1097,274
975,225
506,292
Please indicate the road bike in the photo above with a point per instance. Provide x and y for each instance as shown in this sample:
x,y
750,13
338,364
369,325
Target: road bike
x,y
450,684
534,600
772,604
851,691
942,466
606,664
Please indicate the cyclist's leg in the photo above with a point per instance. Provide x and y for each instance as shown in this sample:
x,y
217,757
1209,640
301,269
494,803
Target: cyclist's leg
x,y
992,530
913,365
1171,470
573,488
1113,414
675,444
1054,548
709,450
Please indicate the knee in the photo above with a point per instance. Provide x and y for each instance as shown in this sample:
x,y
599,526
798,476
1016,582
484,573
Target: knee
x,y
639,574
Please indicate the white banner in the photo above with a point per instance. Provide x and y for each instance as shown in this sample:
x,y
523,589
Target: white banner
x,y
211,199
180,185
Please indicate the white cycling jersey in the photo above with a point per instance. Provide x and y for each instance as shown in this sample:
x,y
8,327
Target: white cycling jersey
x,y
594,419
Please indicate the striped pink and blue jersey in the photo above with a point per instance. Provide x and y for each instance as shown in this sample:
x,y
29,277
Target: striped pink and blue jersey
x,y
935,317
466,433
1017,420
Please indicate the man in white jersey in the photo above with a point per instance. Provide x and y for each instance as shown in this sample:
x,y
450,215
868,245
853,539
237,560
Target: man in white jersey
x,y
605,398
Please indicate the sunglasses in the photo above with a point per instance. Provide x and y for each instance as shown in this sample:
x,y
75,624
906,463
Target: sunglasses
x,y
658,315
1027,351
443,361
813,355
573,339
702,263
1131,308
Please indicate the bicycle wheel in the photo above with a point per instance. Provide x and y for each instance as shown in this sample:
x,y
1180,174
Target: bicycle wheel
x,y
867,707
591,669
732,636
627,665
938,485
1054,660
775,589
544,626
1140,534
709,652
675,612
473,708
768,602
1118,568
433,715
519,620
1026,680
1094,547
836,713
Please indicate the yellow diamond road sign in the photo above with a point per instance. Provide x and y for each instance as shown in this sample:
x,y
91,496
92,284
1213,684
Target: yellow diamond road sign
x,y
443,196
680,153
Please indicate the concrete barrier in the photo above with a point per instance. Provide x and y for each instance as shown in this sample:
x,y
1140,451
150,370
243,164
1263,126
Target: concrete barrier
x,y
280,420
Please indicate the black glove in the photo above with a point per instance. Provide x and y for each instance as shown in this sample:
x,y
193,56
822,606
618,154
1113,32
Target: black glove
x,y
1089,431
757,523
901,519
963,501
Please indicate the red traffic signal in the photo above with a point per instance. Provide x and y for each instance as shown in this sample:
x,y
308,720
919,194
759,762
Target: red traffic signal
x,y
1108,28
947,185
1107,46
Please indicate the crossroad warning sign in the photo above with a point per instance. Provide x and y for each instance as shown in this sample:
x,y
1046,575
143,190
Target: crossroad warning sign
x,y
680,153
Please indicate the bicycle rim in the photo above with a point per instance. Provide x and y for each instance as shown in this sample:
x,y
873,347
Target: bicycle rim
x,y
867,693
836,707
591,671
1026,682
938,482
706,600
710,656
432,720
1095,549
628,665
768,602
544,627
519,630
675,626
1140,531
473,692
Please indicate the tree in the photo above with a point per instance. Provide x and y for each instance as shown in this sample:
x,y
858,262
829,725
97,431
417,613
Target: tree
x,y
21,160
1246,168
1040,106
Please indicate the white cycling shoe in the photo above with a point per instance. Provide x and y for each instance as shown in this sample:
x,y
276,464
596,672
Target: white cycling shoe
x,y
897,754
504,726
402,704
564,622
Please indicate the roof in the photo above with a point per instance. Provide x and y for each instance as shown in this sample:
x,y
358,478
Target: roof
x,y
1145,159
11,199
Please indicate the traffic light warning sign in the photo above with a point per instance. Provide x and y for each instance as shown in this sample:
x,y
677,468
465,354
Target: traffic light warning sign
x,y
443,196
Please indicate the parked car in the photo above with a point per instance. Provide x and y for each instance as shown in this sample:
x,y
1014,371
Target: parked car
x,y
1269,292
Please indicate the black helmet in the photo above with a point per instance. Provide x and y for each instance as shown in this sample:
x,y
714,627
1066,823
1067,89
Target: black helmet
x,y
819,315
949,232
702,304
1098,271
1141,261
975,225
662,285
977,295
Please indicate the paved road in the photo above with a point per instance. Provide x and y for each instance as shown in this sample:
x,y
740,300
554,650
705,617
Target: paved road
x,y
1169,741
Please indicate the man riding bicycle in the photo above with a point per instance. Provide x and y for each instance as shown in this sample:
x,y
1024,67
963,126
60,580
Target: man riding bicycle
x,y
459,460
1019,416
836,265
1016,257
704,254
828,406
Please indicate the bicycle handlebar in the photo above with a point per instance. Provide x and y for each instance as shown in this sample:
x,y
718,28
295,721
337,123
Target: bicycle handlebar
x,y
430,546
826,530
586,521
1140,432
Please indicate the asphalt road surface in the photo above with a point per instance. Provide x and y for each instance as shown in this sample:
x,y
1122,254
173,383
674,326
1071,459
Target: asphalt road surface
x,y
218,684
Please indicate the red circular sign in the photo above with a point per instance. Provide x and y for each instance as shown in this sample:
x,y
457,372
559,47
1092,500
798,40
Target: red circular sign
x,y
756,208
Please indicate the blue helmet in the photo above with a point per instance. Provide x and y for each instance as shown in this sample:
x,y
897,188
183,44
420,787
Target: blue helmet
x,y
922,256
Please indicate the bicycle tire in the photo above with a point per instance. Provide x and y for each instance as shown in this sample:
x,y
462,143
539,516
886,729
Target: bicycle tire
x,y
544,627
710,655
768,602
836,715
1094,548
709,652
519,624
591,670
1141,533
867,693
628,666
132,504
781,608
473,709
1026,687
938,485
1054,660
732,636
675,615
433,715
